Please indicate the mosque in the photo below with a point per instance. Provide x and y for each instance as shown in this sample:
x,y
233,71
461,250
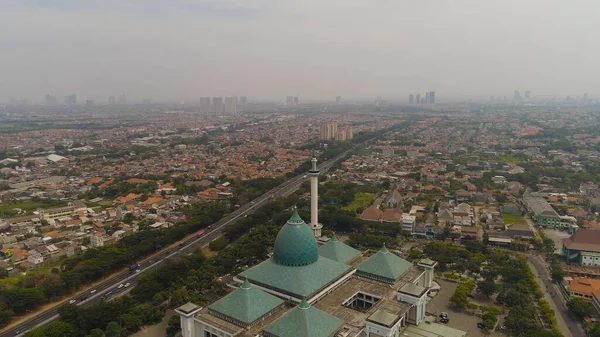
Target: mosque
x,y
333,290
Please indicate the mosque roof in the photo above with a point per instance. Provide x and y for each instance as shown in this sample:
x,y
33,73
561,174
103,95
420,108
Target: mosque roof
x,y
245,305
385,265
296,269
297,281
304,321
338,251
295,244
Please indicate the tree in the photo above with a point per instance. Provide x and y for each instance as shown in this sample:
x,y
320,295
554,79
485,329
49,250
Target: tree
x,y
96,333
595,330
113,330
3,273
59,329
487,288
218,244
579,307
5,317
128,218
21,299
557,272
173,326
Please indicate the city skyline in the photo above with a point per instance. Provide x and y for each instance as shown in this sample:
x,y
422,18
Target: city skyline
x,y
244,54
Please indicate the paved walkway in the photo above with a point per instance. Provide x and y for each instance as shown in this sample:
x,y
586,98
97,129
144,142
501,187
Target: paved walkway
x,y
567,324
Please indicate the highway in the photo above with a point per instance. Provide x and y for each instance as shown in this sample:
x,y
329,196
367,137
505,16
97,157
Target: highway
x,y
190,244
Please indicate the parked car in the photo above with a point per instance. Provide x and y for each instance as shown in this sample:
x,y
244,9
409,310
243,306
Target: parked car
x,y
480,325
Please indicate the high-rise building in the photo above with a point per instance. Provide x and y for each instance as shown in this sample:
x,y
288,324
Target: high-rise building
x,y
585,96
89,103
289,100
111,100
50,100
231,105
338,99
204,104
147,101
349,134
218,107
411,98
329,131
378,102
431,97
122,99
427,96
527,94
243,100
71,99
296,100
341,135
418,98
517,95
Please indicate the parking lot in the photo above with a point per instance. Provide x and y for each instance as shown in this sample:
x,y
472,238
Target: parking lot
x,y
458,320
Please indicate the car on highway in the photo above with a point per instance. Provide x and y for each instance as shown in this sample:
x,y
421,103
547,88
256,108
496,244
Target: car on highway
x,y
305,176
127,284
72,301
93,291
120,286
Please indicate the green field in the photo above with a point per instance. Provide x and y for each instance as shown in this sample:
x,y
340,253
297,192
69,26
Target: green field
x,y
361,200
510,219
510,160
29,206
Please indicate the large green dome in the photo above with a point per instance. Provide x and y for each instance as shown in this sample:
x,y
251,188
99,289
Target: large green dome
x,y
295,244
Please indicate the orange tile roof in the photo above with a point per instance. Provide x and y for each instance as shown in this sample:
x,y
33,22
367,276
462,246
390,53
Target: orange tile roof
x,y
152,200
129,197
137,181
94,180
584,285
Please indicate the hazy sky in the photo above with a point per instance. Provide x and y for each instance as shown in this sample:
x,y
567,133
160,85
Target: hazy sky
x,y
266,49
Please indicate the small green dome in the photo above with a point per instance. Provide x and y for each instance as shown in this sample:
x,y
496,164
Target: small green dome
x,y
295,244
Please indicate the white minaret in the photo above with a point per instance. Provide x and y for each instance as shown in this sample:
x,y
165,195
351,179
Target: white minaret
x,y
314,198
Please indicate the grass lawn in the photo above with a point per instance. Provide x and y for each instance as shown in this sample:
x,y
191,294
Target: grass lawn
x,y
510,219
510,160
361,200
29,206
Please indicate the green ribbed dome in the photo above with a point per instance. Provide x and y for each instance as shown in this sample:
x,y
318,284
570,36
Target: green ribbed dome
x,y
295,244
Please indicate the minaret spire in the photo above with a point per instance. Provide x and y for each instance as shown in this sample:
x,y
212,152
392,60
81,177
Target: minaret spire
x,y
314,197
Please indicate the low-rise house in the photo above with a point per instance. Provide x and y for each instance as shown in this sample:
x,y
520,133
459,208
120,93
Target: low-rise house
x,y
582,248
35,259
371,214
391,215
543,213
394,200
408,223
511,209
469,233
428,231
583,288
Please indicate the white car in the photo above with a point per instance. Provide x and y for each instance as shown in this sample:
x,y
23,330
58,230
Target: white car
x,y
127,284
72,301
93,291
120,286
